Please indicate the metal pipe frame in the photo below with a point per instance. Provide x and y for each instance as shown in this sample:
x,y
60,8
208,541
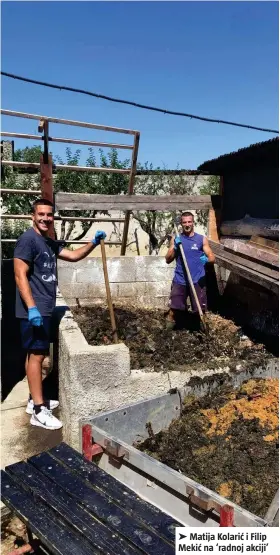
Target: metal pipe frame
x,y
43,127
64,167
63,218
68,122
130,190
67,241
20,192
62,140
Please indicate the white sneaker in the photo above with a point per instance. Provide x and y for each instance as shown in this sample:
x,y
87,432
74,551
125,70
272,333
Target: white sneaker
x,y
30,406
45,419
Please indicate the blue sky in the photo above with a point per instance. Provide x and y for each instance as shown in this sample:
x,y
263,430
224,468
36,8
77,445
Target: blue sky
x,y
216,59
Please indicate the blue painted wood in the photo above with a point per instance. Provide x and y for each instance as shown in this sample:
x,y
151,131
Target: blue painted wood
x,y
50,530
99,535
151,516
102,507
73,506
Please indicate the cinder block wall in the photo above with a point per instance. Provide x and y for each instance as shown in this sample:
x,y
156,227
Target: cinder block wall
x,y
143,279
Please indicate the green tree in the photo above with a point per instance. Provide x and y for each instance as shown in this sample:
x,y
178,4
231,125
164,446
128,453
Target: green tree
x,y
159,225
156,181
18,204
211,187
82,182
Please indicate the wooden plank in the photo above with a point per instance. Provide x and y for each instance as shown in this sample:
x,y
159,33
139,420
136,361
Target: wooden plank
x,y
266,282
75,516
213,225
121,494
220,249
251,226
253,251
96,503
262,242
80,201
41,520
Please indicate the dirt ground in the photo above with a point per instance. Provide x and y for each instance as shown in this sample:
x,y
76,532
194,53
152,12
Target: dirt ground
x,y
13,534
227,441
152,345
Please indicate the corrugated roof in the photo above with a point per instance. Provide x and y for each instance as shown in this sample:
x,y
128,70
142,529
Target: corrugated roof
x,y
266,152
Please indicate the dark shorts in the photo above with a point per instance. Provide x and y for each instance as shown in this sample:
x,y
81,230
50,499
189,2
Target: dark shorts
x,y
36,338
180,293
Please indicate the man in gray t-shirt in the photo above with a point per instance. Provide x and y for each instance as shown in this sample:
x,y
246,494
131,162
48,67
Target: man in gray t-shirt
x,y
36,279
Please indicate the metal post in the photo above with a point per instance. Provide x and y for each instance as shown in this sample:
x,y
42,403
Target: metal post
x,y
226,516
46,172
130,190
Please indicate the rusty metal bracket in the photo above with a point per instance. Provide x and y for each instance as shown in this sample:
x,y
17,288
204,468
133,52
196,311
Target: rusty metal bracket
x,y
205,505
41,125
115,449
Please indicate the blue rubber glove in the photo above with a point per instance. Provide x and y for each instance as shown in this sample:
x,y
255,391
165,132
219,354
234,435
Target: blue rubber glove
x,y
177,242
98,236
204,259
35,317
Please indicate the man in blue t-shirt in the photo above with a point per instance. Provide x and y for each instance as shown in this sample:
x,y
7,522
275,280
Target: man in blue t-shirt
x,y
198,253
36,279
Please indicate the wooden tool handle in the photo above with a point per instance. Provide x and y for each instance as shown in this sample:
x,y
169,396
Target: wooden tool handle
x,y
108,292
201,315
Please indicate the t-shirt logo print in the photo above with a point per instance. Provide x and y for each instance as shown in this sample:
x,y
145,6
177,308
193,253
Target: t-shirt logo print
x,y
51,265
194,247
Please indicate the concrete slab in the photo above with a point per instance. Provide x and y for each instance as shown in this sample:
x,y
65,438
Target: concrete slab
x,y
19,439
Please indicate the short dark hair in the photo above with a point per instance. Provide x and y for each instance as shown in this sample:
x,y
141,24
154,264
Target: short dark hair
x,y
187,214
41,201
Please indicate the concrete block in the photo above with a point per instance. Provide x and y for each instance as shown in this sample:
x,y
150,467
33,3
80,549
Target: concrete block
x,y
133,290
89,290
89,376
159,289
122,270
66,275
95,379
154,270
92,274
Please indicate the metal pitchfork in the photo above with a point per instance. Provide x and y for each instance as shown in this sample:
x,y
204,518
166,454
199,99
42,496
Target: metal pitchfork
x,y
201,315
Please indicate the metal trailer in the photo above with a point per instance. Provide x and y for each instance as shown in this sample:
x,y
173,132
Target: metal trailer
x,y
111,435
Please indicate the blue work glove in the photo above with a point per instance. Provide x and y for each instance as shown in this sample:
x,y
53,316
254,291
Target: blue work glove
x,y
204,259
98,236
177,242
35,317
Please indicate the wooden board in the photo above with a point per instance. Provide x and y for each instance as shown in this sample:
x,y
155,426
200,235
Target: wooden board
x,y
99,506
214,217
252,251
251,226
242,260
74,507
125,497
251,275
169,203
46,525
75,516
264,243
